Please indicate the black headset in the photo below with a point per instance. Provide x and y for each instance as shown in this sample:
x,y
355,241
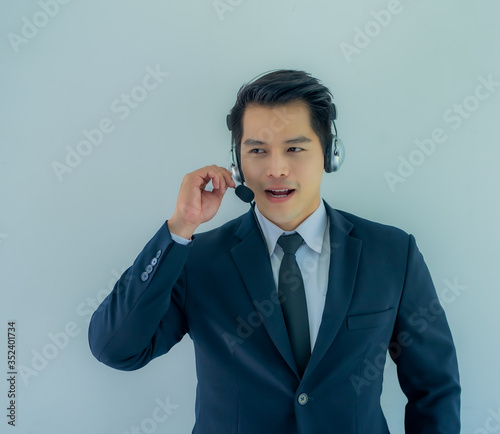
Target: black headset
x,y
334,157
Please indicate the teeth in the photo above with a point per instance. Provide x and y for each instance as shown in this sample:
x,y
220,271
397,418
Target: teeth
x,y
274,193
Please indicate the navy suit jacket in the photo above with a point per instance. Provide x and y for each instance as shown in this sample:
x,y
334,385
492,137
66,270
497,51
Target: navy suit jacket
x,y
220,290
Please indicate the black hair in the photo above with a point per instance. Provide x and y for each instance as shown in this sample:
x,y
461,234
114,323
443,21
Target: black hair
x,y
282,87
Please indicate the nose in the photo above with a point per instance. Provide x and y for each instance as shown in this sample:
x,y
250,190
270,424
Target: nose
x,y
277,165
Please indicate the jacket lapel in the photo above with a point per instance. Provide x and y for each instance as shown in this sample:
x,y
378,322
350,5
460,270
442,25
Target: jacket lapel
x,y
344,259
252,260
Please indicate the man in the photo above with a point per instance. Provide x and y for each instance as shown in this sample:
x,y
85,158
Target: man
x,y
292,306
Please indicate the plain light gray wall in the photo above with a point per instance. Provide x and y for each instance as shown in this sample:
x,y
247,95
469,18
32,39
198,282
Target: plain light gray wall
x,y
64,238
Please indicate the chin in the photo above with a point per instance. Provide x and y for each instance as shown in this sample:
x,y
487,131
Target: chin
x,y
280,218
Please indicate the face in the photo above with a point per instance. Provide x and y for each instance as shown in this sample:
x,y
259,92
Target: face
x,y
280,151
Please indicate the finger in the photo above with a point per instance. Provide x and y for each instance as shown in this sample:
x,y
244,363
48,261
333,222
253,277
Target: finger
x,y
219,193
228,178
223,179
209,173
223,182
219,181
220,176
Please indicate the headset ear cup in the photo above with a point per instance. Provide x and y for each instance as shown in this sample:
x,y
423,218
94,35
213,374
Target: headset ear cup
x,y
337,155
236,174
234,166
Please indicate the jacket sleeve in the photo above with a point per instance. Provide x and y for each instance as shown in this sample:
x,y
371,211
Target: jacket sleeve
x,y
142,317
423,350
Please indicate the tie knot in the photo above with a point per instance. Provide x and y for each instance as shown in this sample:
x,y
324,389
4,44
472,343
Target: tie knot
x,y
290,243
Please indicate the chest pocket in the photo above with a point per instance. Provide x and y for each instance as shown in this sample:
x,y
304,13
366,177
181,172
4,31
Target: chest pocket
x,y
370,320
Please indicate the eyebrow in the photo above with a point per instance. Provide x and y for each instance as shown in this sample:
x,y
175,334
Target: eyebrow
x,y
300,139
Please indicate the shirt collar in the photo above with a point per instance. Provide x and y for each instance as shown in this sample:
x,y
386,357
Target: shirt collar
x,y
312,229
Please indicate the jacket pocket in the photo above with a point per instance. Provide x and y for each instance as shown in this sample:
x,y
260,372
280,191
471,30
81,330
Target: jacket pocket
x,y
370,320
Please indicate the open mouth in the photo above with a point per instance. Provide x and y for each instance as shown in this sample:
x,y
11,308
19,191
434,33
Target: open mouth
x,y
279,193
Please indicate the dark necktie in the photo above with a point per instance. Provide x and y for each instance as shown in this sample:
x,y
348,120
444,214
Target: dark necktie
x,y
293,300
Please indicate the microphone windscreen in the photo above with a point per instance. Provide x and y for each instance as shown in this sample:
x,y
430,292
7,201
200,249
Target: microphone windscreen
x,y
244,193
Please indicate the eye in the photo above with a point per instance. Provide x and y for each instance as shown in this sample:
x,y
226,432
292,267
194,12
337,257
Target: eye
x,y
255,149
295,147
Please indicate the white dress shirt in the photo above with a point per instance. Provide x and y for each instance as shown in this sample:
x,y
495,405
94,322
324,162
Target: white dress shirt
x,y
313,259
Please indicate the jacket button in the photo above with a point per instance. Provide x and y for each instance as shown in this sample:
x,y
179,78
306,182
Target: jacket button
x,y
303,398
144,276
149,268
158,254
154,261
